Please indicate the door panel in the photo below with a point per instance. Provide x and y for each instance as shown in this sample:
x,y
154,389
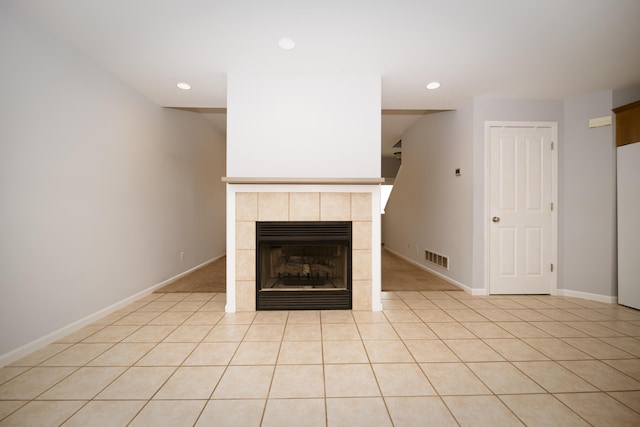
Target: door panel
x,y
520,196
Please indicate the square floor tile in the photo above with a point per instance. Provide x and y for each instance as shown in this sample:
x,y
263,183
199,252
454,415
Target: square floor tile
x,y
480,411
601,375
191,306
302,332
78,354
265,333
515,350
369,317
344,352
295,412
191,383
303,316
83,384
167,354
629,398
454,379
628,344
429,316
600,409
419,411
300,352
450,330
232,413
556,349
504,378
9,372
387,351
522,330
559,329
189,333
377,331
256,353
230,332
473,350
597,348
30,384
244,382
175,318
169,413
336,316
212,354
271,317
350,380
542,410
401,316
136,383
486,330
150,334
414,331
43,413
239,318
430,351
39,356
630,367
137,318
357,412
122,354
204,318
297,381
553,377
106,413
402,379
340,331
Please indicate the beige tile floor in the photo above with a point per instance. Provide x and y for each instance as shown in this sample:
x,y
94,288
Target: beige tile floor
x,y
430,358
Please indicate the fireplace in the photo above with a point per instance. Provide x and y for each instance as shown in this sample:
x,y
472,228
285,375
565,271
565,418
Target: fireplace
x,y
259,200
303,265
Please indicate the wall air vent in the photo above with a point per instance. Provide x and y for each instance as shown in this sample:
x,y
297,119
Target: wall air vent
x,y
437,259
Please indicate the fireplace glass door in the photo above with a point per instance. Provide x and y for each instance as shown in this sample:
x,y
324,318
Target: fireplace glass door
x,y
303,265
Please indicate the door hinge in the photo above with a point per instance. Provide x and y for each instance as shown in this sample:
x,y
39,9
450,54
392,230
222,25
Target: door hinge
x,y
552,145
552,268
551,206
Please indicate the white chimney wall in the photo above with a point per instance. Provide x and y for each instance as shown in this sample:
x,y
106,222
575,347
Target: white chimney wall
x,y
303,125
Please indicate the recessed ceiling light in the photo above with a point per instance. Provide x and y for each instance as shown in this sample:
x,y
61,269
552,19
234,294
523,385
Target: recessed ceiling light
x,y
433,85
184,86
286,43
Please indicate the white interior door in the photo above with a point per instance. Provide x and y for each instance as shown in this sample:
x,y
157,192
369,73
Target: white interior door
x,y
521,219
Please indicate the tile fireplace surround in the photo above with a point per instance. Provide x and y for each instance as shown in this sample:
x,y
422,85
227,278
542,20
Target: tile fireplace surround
x,y
251,200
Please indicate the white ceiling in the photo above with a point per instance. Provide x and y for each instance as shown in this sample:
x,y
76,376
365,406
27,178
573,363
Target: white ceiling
x,y
533,49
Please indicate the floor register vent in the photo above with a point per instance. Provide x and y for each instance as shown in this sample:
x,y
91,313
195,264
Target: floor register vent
x,y
437,259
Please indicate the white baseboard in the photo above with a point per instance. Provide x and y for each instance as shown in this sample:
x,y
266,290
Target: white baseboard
x,y
588,296
435,273
41,342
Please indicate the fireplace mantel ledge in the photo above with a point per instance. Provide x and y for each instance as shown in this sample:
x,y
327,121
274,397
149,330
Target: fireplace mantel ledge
x,y
328,181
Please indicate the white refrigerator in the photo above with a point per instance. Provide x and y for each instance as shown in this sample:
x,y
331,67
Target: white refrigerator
x,y
629,225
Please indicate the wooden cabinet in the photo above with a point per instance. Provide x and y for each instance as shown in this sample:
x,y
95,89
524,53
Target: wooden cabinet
x,y
627,124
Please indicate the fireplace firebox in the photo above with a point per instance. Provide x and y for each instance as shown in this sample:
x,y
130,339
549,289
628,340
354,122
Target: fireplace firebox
x,y
303,265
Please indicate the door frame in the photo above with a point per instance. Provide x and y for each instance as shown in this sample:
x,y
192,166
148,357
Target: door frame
x,y
487,197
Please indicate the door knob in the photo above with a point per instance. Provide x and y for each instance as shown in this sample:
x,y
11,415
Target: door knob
x,y
495,219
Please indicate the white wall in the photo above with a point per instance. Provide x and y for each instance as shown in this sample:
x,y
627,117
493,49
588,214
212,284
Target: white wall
x,y
100,188
303,125
588,204
430,207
